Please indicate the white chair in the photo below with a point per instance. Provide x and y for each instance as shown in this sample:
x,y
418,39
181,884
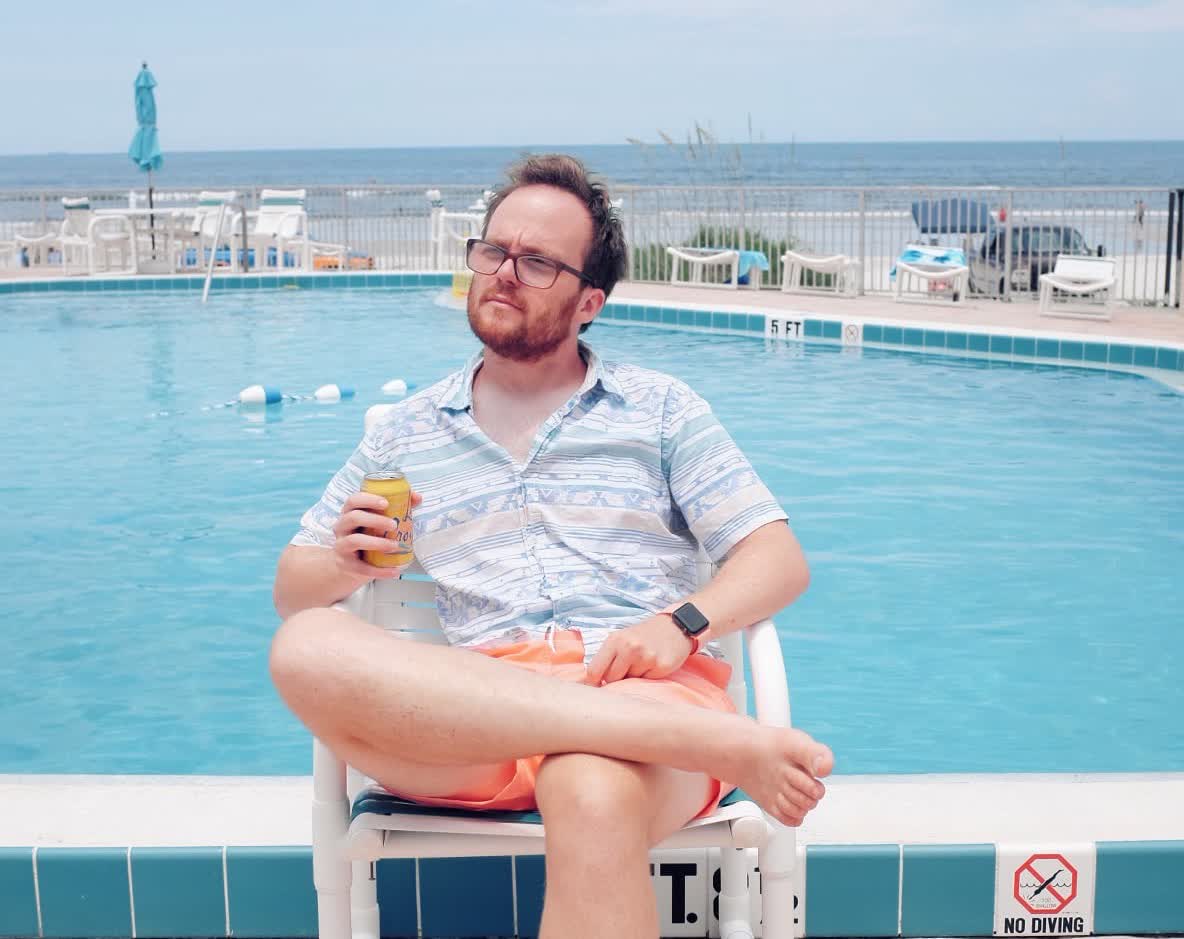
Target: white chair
x,y
699,259
281,223
83,240
204,232
1079,276
383,826
938,282
843,273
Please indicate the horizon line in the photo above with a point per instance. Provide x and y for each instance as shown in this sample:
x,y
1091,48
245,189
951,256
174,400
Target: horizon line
x,y
1058,141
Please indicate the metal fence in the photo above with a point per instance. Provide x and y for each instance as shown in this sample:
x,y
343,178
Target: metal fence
x,y
395,228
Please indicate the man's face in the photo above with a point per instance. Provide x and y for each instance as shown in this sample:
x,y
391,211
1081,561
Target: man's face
x,y
526,323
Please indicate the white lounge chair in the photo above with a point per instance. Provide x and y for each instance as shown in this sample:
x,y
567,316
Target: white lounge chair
x,y
699,259
1079,276
939,280
843,273
281,223
355,822
204,231
83,241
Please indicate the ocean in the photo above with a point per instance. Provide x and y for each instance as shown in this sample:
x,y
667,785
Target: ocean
x,y
1020,164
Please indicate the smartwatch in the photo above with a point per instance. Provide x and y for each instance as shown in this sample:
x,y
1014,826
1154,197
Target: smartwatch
x,y
692,622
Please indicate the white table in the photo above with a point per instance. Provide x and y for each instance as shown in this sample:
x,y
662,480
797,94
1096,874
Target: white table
x,y
163,257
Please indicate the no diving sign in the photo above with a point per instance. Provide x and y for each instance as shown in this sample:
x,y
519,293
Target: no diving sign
x,y
1044,890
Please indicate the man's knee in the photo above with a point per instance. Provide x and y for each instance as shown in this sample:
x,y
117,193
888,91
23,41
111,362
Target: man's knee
x,y
298,647
593,793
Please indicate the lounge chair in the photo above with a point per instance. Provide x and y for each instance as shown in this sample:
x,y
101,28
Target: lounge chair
x,y
843,273
942,273
355,822
280,235
740,264
83,241
204,233
1079,276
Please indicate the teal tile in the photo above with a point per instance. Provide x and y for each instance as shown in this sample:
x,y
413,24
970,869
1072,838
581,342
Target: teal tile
x,y
738,322
720,320
873,332
1096,352
636,313
653,314
812,329
913,337
1048,348
948,890
530,880
935,338
1072,351
466,896
832,329
833,872
5,288
84,892
669,316
320,283
1022,345
702,319
271,892
1122,355
1138,887
1167,358
1001,344
1145,355
976,342
18,901
305,281
409,280
756,323
178,891
686,317
892,334
396,898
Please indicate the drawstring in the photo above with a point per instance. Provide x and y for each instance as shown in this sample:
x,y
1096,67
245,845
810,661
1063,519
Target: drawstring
x,y
550,636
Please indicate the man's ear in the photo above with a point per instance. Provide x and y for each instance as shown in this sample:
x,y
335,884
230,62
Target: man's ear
x,y
591,305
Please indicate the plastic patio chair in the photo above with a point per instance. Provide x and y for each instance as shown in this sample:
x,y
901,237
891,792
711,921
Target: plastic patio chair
x,y
281,225
355,822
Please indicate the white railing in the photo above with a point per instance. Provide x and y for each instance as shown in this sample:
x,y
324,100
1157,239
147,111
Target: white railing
x,y
416,228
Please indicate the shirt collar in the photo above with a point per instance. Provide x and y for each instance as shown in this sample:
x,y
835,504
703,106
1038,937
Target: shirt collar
x,y
458,395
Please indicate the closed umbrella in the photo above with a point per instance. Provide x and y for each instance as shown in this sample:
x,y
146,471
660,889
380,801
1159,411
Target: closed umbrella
x,y
145,148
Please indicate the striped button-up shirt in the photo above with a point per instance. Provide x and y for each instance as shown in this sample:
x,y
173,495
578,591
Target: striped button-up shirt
x,y
601,526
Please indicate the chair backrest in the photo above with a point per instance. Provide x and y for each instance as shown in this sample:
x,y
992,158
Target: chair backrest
x,y
209,204
77,215
281,213
406,607
1084,267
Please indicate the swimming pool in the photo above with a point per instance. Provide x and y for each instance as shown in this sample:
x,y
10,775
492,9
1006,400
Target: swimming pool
x,y
996,548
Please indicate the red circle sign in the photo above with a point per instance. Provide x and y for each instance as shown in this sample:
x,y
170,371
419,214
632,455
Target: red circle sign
x,y
1045,883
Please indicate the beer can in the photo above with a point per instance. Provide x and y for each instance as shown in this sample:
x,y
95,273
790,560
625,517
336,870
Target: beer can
x,y
394,487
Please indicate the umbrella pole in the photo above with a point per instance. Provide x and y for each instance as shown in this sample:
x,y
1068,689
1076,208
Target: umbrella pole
x,y
151,217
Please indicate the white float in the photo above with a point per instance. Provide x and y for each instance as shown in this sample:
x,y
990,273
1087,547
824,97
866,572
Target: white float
x,y
328,393
260,394
396,386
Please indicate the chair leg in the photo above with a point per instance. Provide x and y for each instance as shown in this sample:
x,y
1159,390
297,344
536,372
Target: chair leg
x,y
364,901
735,907
777,860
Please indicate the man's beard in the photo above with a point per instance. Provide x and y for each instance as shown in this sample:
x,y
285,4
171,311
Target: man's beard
x,y
530,338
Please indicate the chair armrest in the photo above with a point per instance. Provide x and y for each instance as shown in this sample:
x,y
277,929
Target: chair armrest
x,y
719,256
770,685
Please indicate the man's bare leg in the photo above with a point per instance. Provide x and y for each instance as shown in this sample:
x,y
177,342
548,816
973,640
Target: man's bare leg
x,y
602,816
374,698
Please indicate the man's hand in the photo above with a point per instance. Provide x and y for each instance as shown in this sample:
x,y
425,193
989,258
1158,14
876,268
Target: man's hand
x,y
362,527
654,648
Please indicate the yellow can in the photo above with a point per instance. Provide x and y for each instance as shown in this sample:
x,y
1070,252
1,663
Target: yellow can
x,y
394,487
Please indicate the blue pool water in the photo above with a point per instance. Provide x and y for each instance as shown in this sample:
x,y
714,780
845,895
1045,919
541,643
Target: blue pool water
x,y
997,550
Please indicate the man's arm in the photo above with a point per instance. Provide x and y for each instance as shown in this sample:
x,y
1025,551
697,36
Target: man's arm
x,y
764,572
309,576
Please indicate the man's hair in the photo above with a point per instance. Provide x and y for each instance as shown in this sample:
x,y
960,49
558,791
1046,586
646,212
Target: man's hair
x,y
606,261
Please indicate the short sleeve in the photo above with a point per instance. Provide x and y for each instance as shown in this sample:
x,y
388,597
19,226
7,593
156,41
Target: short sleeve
x,y
316,525
711,481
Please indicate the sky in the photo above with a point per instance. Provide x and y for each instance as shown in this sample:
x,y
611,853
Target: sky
x,y
244,76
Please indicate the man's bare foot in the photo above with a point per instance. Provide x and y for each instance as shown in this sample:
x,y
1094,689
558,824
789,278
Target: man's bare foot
x,y
780,768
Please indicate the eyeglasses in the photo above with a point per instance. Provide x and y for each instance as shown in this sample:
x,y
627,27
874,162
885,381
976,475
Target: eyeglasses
x,y
533,270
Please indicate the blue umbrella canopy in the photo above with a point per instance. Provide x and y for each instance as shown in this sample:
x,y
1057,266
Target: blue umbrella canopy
x,y
145,148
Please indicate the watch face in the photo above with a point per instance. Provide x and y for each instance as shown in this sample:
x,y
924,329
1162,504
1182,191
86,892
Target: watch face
x,y
690,619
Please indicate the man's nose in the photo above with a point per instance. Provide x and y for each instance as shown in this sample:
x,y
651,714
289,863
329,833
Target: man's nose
x,y
507,272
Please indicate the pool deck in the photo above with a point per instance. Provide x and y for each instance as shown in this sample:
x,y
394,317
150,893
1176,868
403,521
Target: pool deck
x,y
97,811
1138,324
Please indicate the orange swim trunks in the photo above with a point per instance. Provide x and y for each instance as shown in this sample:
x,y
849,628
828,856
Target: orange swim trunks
x,y
701,681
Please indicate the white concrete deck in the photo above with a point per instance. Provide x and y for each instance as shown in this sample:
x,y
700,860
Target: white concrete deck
x,y
119,811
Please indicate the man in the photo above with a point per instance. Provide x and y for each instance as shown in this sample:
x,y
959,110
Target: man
x,y
559,505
